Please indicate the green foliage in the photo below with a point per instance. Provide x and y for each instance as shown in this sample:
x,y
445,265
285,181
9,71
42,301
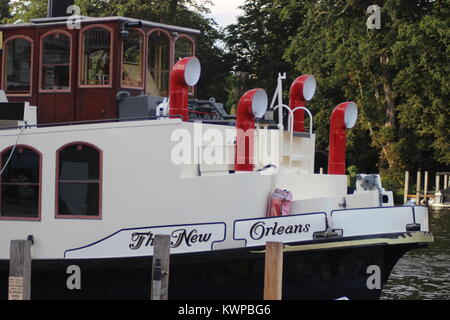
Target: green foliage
x,y
397,75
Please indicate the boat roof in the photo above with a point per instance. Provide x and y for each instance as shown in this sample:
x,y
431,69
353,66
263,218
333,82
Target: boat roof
x,y
63,20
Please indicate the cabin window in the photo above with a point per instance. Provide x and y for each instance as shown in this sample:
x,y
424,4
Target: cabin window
x,y
20,183
96,65
55,62
18,66
79,181
158,64
184,47
132,72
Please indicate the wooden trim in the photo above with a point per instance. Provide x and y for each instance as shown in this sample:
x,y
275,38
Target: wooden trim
x,y
40,90
31,40
100,183
171,51
81,55
38,218
143,67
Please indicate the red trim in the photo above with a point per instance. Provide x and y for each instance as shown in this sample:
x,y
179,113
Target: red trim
x,y
100,183
143,51
30,93
38,218
40,90
81,55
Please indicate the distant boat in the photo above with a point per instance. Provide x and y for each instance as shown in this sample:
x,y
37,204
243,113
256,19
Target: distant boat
x,y
441,198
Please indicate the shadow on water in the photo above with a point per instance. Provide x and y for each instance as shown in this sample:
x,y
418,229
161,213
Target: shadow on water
x,y
424,273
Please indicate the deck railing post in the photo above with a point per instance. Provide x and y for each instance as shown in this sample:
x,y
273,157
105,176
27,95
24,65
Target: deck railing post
x,y
273,273
160,267
19,282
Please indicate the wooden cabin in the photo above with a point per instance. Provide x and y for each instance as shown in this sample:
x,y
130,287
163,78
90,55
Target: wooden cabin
x,y
75,74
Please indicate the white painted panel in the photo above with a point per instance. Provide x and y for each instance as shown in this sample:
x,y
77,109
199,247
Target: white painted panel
x,y
282,229
139,241
357,222
421,215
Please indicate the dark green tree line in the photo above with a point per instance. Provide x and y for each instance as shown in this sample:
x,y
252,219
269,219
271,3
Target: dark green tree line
x,y
398,75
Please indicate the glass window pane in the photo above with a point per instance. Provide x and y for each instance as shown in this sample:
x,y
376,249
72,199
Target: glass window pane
x,y
55,77
132,60
183,48
55,62
56,49
18,66
20,201
22,168
158,64
79,162
78,199
96,57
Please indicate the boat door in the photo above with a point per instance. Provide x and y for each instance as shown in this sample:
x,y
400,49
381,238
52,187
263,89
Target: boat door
x,y
56,74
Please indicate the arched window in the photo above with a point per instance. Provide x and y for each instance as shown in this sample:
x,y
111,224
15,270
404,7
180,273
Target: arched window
x,y
184,47
20,183
18,66
79,181
96,57
132,67
55,62
158,64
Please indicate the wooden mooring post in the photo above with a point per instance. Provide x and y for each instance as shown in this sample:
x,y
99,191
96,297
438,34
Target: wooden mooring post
x,y
273,272
19,282
160,267
405,197
419,176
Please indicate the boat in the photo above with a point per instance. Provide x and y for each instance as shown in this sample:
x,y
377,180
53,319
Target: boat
x,y
104,145
441,198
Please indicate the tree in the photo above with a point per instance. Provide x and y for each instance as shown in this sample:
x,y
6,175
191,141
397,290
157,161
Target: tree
x,y
4,11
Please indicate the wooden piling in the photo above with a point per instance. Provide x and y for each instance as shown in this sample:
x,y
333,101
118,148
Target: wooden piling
x,y
405,192
273,276
419,176
425,188
160,267
19,284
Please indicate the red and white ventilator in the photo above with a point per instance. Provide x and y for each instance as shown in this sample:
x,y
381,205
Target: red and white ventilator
x,y
343,117
185,73
302,90
252,105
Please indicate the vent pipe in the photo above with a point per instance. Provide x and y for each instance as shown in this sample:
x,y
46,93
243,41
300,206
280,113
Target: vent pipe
x,y
58,8
252,105
343,117
185,73
302,90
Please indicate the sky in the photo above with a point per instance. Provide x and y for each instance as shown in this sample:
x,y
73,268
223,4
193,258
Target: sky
x,y
225,11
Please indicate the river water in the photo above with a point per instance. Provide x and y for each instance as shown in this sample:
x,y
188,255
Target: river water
x,y
424,274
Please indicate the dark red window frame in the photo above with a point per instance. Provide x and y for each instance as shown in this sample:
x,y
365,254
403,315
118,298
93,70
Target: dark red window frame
x,y
99,181
19,149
